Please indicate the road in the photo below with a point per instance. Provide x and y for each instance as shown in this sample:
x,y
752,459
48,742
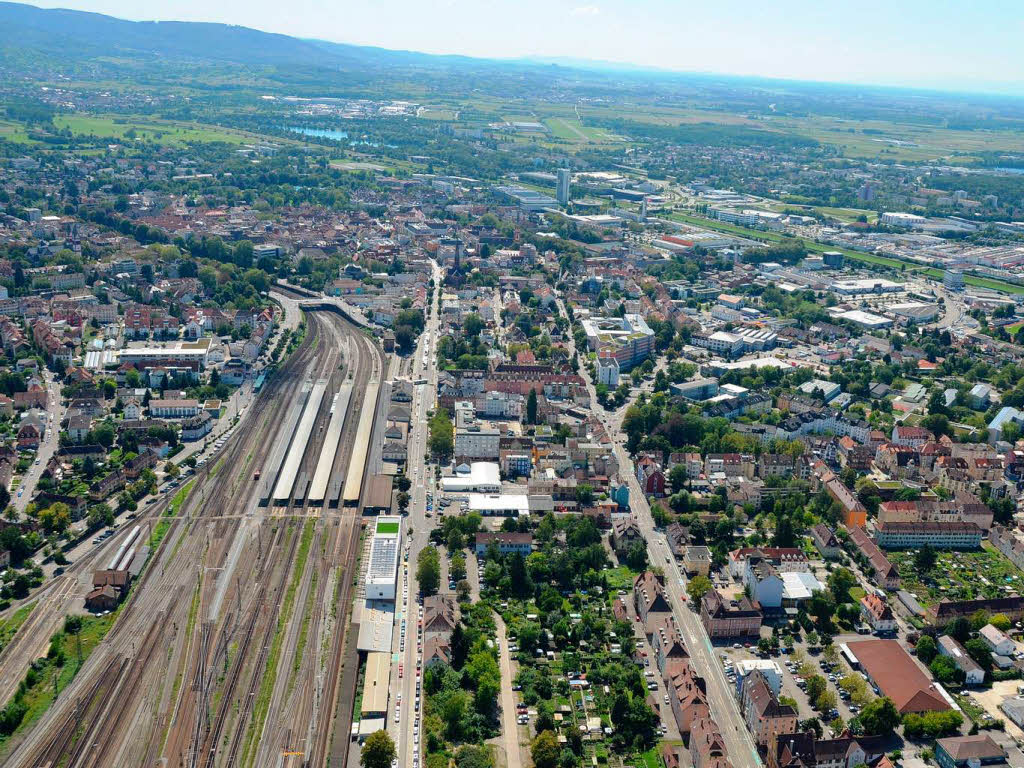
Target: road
x,y
509,729
417,524
739,741
49,444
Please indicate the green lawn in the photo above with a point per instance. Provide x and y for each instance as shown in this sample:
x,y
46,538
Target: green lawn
x,y
651,758
385,527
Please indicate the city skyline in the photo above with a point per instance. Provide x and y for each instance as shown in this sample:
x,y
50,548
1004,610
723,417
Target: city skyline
x,y
939,46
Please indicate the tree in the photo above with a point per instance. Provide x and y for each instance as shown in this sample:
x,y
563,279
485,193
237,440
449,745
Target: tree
x,y
472,325
56,518
879,717
840,582
816,686
171,469
944,669
457,567
378,750
937,424
927,649
960,628
442,435
825,701
1001,621
428,571
545,750
636,557
459,644
925,559
979,651
697,587
472,756
531,407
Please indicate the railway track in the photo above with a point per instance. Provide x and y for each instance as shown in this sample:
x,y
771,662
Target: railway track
x,y
155,689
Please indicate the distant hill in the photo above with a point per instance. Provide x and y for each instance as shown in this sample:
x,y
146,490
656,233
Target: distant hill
x,y
68,34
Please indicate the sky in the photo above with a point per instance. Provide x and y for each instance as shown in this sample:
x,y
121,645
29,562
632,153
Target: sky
x,y
972,45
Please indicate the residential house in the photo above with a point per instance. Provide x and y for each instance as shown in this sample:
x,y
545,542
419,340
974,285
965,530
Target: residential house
x,y
826,541
998,641
697,560
625,533
973,673
724,618
765,717
649,596
885,572
877,614
507,542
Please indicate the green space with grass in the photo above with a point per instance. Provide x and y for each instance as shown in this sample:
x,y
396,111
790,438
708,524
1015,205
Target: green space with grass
x,y
147,130
384,526
50,675
9,627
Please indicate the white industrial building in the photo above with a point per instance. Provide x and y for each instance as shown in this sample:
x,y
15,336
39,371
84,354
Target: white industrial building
x,y
499,504
900,219
865,319
866,285
385,549
479,477
915,311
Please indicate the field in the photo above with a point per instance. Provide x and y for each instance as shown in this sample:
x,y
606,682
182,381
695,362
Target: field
x,y
387,527
570,128
959,576
13,132
147,130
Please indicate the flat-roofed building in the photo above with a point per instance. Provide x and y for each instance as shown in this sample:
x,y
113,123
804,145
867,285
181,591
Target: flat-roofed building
x,y
629,339
376,684
382,570
499,504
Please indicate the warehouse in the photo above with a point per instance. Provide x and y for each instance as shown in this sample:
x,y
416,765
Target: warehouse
x,y
378,495
494,504
382,571
897,676
865,319
482,477
375,686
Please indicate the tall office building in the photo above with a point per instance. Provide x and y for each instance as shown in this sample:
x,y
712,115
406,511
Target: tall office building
x,y
564,180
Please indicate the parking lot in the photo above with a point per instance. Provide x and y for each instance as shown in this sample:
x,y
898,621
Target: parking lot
x,y
796,668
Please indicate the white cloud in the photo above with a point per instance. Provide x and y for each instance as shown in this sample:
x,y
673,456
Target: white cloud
x,y
585,10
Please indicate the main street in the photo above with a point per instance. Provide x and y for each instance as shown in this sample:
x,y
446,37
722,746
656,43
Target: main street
x,y
47,446
417,525
724,709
